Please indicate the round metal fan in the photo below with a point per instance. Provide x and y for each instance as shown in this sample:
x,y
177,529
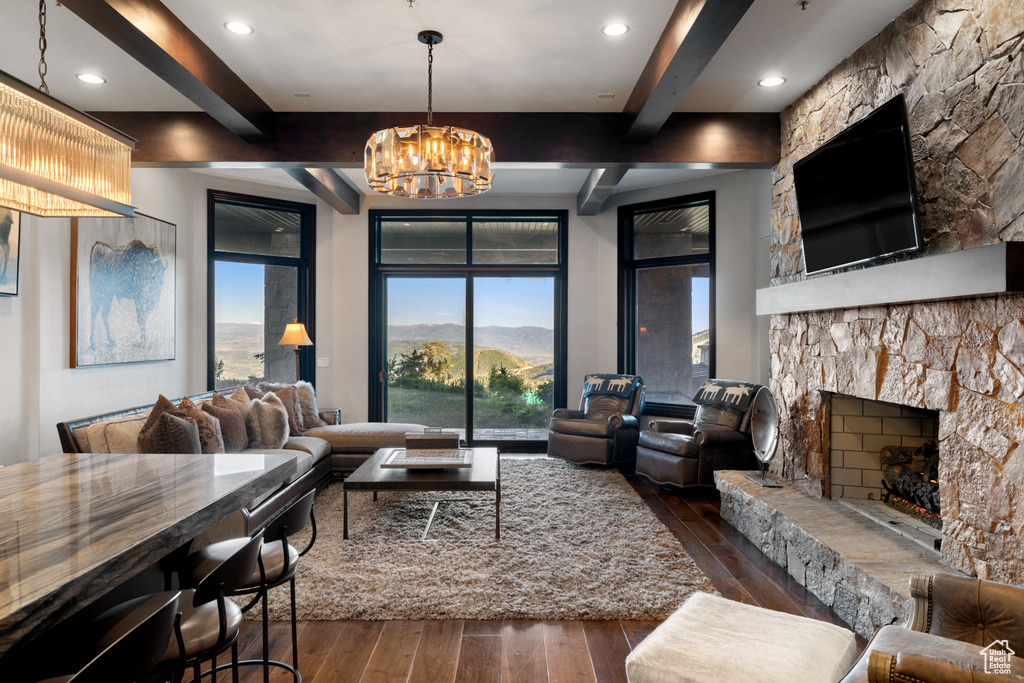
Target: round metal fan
x,y
764,432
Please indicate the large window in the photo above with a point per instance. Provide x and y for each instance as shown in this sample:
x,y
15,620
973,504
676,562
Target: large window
x,y
260,279
469,322
666,292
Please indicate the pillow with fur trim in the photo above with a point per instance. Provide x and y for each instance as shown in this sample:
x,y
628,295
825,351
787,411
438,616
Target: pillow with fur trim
x,y
307,402
232,424
241,401
210,435
168,430
267,423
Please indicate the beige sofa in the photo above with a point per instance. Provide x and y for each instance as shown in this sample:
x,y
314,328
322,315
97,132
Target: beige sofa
x,y
321,454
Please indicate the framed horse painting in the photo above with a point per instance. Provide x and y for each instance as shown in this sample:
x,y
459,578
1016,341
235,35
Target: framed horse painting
x,y
10,248
122,290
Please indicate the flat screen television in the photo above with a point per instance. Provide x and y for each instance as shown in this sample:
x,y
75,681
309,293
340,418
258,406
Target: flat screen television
x,y
856,194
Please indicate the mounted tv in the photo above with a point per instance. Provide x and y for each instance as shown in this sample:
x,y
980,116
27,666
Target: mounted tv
x,y
856,194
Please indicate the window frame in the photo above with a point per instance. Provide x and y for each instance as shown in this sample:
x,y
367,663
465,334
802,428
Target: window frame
x,y
305,265
628,269
378,272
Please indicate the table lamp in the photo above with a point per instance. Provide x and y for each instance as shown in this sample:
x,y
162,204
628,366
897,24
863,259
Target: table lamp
x,y
295,335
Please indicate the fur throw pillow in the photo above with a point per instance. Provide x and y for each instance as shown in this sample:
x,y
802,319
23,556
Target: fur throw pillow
x,y
168,430
252,392
307,402
232,424
290,398
267,423
210,435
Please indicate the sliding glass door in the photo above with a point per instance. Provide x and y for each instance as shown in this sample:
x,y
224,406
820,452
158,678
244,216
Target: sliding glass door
x,y
469,330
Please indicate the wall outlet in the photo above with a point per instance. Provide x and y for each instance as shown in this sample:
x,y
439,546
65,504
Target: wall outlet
x,y
323,362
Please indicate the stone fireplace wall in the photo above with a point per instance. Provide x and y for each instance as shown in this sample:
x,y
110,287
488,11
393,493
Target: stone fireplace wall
x,y
959,65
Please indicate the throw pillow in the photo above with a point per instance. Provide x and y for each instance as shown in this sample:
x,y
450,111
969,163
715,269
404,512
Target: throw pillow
x,y
307,402
168,430
267,423
252,392
290,398
241,401
232,424
210,435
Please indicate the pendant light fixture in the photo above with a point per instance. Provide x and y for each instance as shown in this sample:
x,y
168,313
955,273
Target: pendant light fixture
x,y
428,162
54,159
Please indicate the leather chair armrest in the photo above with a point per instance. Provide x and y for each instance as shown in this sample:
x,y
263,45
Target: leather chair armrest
x,y
951,606
671,426
719,437
907,667
624,421
568,414
331,417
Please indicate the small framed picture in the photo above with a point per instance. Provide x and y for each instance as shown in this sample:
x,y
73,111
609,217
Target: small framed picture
x,y
10,250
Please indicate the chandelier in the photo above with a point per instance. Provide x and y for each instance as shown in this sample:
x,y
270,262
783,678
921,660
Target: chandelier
x,y
428,162
56,160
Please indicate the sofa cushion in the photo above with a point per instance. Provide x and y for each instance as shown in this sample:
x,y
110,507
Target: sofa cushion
x,y
122,436
679,445
168,430
716,417
232,424
211,438
267,423
318,448
364,437
93,438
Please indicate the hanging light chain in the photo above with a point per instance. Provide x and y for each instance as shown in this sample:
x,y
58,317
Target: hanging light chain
x,y
430,82
42,48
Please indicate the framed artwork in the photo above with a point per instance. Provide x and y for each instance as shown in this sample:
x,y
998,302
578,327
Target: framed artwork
x,y
10,251
122,290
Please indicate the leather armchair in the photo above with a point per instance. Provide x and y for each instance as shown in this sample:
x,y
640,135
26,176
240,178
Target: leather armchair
x,y
957,624
686,453
605,429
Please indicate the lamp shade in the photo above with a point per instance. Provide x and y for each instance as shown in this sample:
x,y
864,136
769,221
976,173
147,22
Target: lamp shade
x,y
295,335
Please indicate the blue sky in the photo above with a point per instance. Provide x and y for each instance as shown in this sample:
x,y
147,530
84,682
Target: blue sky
x,y
700,304
509,302
239,293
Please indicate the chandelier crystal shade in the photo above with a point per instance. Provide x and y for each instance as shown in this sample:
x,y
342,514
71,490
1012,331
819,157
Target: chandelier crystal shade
x,y
58,161
428,162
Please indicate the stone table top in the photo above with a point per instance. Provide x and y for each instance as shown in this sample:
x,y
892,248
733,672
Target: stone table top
x,y
72,527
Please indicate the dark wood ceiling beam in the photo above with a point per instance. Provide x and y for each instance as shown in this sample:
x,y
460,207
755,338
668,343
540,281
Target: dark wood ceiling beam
x,y
330,186
157,39
337,140
596,189
693,35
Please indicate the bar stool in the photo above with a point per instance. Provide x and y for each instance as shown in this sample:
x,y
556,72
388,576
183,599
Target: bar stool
x,y
276,566
133,643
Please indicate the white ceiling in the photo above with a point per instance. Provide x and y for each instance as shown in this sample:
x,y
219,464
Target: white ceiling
x,y
526,56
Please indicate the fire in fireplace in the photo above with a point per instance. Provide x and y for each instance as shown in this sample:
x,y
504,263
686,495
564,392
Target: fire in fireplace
x,y
911,481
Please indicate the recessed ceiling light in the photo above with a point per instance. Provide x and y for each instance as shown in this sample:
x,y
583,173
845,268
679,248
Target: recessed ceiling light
x,y
91,78
771,81
239,27
615,29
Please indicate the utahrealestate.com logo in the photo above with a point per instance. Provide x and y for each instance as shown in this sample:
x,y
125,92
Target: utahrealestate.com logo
x,y
997,657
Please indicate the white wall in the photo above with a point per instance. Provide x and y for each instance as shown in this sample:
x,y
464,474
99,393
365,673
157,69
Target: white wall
x,y
41,390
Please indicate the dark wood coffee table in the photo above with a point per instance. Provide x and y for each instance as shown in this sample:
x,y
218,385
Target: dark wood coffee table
x,y
484,475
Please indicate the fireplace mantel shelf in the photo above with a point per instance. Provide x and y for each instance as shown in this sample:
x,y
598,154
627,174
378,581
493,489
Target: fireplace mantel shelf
x,y
982,271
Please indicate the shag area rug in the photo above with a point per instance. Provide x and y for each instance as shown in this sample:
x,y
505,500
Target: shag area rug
x,y
576,543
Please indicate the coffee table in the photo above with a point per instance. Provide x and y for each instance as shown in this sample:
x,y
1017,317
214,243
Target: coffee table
x,y
484,475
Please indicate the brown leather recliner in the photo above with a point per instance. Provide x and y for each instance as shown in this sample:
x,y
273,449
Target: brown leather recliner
x,y
959,626
686,453
605,429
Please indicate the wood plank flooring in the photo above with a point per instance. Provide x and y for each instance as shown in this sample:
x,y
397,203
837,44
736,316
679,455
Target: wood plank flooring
x,y
516,651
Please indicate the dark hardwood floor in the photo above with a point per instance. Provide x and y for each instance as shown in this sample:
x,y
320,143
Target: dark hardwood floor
x,y
530,651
